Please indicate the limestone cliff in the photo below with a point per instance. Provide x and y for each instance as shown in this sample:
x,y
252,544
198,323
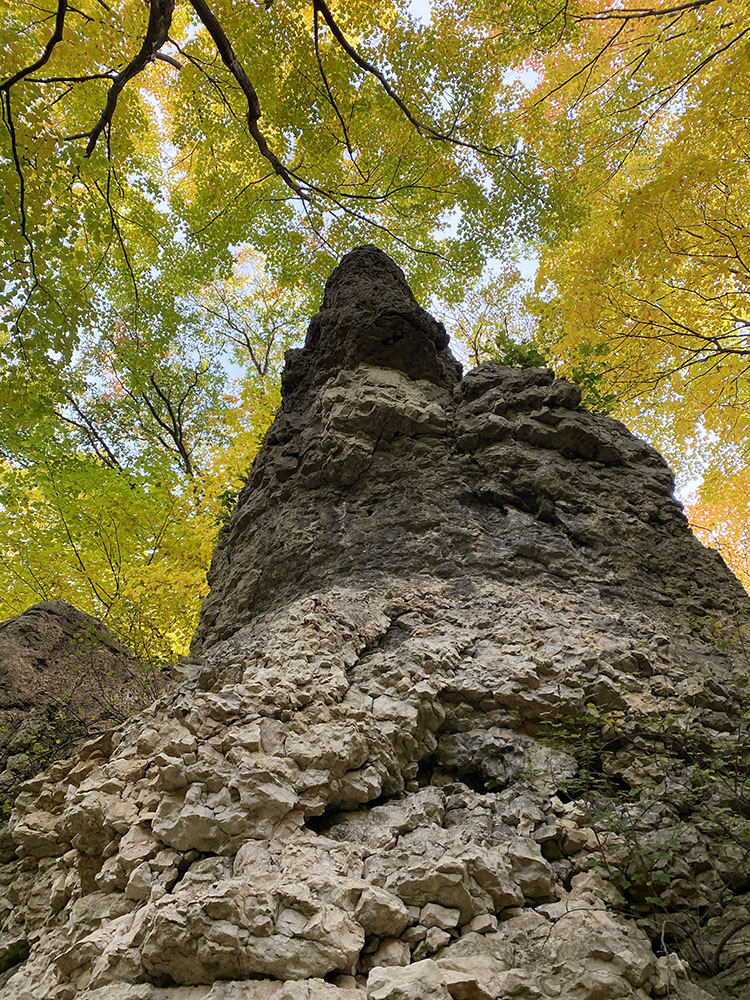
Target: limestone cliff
x,y
448,725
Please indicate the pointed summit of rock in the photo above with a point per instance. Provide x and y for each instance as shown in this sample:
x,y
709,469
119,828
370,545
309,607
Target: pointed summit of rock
x,y
384,461
370,316
454,687
367,279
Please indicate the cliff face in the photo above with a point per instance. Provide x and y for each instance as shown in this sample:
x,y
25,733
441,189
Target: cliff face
x,y
447,726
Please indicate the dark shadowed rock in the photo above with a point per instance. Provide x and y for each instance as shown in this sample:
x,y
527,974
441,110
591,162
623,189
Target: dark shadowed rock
x,y
63,679
383,461
454,692
369,316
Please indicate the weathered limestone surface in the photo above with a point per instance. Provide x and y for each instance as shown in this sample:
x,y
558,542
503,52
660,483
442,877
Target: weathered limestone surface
x,y
350,795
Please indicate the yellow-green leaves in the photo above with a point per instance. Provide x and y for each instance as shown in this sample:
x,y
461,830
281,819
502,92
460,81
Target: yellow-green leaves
x,y
119,465
644,109
331,124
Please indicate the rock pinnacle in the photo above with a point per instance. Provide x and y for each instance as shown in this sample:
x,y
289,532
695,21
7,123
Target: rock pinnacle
x,y
370,316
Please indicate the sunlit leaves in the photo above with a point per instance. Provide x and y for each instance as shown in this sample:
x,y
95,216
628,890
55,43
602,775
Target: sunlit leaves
x,y
644,108
720,516
179,173
119,465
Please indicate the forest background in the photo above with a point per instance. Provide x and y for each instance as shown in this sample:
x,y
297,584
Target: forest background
x,y
563,181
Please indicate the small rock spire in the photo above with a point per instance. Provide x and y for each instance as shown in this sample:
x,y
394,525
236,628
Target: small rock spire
x,y
367,278
370,316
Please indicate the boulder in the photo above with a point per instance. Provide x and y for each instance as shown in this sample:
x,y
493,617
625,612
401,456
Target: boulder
x,y
63,680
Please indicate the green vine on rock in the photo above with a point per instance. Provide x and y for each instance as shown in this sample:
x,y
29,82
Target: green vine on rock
x,y
669,806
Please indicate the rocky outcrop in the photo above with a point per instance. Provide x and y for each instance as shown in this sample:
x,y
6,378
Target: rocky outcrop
x,y
63,679
448,728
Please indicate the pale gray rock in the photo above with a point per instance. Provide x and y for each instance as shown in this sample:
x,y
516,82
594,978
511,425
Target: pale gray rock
x,y
389,952
433,915
420,981
380,912
355,790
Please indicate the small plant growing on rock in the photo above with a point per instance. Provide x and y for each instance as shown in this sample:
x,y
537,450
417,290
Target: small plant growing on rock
x,y
648,784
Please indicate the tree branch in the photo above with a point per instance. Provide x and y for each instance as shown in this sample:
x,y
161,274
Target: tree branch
x,y
329,92
102,450
230,60
62,7
168,59
157,32
421,127
632,13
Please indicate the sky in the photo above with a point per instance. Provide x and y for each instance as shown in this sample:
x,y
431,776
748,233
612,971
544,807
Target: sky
x,y
421,9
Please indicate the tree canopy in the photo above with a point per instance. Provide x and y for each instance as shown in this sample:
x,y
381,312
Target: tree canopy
x,y
179,176
653,282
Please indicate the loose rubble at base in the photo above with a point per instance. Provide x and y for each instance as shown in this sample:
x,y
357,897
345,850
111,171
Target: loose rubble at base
x,y
352,794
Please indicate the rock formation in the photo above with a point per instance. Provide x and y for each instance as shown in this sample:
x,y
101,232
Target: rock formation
x,y
63,679
448,728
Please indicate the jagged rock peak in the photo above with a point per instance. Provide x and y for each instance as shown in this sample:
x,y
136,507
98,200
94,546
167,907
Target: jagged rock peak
x,y
369,315
458,635
367,278
384,461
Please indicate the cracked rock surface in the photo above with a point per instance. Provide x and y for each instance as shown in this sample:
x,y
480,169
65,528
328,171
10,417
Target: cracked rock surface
x,y
350,795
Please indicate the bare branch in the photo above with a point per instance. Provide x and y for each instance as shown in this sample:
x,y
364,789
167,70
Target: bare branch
x,y
95,439
632,13
168,59
157,32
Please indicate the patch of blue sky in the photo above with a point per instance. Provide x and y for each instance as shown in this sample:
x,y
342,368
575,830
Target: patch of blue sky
x,y
421,10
